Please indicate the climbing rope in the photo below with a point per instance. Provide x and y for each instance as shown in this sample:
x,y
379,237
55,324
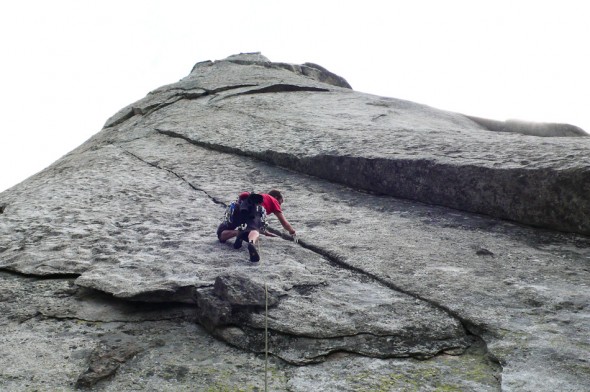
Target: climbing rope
x,y
265,338
296,240
265,323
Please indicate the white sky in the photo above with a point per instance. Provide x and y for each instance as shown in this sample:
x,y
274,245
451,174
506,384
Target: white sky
x,y
67,66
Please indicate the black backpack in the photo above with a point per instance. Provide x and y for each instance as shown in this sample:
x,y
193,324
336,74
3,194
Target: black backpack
x,y
247,213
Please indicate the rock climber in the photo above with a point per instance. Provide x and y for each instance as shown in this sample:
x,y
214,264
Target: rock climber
x,y
271,203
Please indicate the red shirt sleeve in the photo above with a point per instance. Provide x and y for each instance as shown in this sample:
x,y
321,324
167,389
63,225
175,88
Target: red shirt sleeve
x,y
270,204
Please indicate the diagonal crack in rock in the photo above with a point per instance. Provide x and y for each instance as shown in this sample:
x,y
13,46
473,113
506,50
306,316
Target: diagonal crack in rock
x,y
167,96
240,324
177,175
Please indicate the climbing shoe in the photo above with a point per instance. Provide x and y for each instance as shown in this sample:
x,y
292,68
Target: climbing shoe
x,y
254,256
239,238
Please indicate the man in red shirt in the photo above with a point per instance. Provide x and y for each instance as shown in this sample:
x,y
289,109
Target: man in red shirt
x,y
271,202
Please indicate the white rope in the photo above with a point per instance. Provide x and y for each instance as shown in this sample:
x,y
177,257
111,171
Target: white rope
x,y
266,339
265,323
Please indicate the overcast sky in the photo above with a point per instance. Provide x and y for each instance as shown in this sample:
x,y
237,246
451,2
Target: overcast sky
x,y
67,66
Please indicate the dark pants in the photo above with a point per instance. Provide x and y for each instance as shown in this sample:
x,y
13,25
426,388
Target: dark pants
x,y
224,226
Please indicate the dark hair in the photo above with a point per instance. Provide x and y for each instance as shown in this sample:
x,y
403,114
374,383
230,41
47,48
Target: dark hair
x,y
276,194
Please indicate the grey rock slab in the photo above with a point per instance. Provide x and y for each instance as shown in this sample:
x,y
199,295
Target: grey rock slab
x,y
347,313
430,156
140,352
165,355
142,246
241,291
504,281
133,211
24,298
210,79
105,210
385,145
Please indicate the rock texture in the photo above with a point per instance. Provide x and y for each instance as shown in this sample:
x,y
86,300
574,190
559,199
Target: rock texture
x,y
436,252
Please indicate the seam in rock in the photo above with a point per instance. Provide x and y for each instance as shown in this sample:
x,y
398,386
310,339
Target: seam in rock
x,y
187,94
34,316
273,88
55,276
130,114
277,88
327,254
54,317
209,146
213,199
471,328
316,166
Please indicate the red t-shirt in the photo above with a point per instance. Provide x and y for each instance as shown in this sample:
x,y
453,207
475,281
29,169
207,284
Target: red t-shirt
x,y
270,204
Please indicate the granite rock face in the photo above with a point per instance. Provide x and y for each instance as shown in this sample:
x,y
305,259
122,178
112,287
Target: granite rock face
x,y
435,252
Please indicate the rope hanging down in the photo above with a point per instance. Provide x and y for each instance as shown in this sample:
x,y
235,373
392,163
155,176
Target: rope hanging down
x,y
265,338
265,328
